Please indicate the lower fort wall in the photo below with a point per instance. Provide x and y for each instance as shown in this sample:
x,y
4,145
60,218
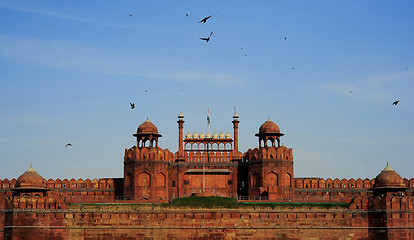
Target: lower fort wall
x,y
112,222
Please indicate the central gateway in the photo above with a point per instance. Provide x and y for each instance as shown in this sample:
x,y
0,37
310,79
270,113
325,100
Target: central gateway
x,y
207,165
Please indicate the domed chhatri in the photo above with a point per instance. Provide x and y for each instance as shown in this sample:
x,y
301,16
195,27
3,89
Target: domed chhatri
x,y
388,178
30,180
147,135
147,127
269,134
269,127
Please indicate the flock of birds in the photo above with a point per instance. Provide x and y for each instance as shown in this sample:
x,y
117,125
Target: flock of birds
x,y
207,39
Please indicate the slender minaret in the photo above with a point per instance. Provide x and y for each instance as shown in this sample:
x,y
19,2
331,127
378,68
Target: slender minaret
x,y
180,134
236,135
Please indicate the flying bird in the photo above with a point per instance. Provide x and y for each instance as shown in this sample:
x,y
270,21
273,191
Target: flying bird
x,y
395,103
204,19
186,14
131,15
132,105
68,145
207,39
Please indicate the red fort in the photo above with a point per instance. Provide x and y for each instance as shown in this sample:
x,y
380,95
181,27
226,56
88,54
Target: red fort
x,y
277,204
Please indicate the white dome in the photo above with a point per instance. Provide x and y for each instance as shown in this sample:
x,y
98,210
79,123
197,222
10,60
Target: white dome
x,y
221,136
215,135
202,135
195,135
188,135
208,135
228,135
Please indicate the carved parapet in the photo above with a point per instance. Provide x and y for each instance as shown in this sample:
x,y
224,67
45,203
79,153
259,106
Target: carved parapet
x,y
280,153
6,183
336,183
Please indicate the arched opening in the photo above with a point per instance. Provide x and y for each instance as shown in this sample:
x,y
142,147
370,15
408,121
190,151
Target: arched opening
x,y
228,146
255,181
272,179
201,146
129,179
144,180
188,146
221,146
269,142
160,180
288,180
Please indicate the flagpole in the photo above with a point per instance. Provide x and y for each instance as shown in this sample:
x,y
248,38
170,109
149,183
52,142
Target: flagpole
x,y
208,154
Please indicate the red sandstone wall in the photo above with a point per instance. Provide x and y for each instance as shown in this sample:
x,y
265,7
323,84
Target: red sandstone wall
x,y
201,224
185,224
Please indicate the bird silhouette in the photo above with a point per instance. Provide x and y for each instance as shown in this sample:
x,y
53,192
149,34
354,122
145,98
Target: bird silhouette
x,y
395,103
204,19
132,105
207,39
68,145
186,14
131,15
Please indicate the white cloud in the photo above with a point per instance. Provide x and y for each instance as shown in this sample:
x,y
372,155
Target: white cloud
x,y
55,14
77,56
378,88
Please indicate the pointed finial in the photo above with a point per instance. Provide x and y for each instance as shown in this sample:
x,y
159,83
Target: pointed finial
x,y
387,168
147,120
268,120
30,169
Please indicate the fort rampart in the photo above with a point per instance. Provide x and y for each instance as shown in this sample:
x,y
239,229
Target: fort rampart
x,y
119,221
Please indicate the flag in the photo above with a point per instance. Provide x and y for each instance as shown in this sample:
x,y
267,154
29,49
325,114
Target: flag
x,y
208,117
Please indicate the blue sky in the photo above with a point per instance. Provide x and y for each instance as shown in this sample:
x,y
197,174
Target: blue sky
x,y
69,69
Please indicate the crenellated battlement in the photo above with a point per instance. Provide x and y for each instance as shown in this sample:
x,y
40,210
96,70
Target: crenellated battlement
x,y
153,153
269,153
317,183
103,183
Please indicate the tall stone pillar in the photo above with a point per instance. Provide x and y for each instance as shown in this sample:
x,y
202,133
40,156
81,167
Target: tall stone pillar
x,y
180,135
236,135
